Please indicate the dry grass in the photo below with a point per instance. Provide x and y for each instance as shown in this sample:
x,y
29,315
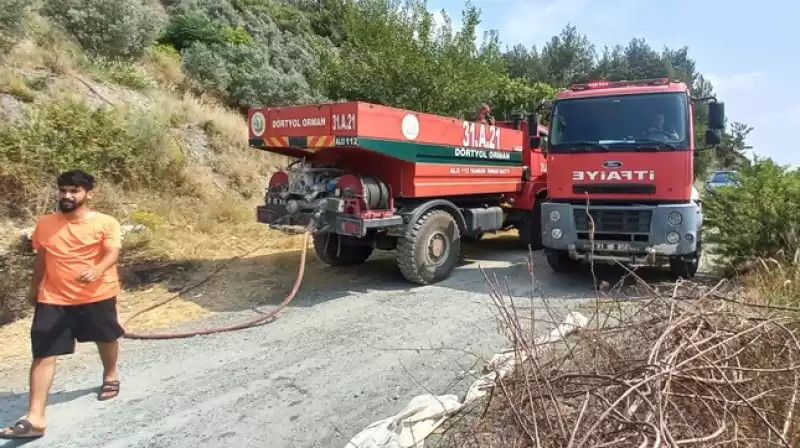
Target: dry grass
x,y
12,83
46,48
775,282
164,64
683,364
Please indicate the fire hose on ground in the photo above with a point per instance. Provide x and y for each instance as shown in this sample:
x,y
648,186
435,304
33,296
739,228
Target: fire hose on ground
x,y
240,326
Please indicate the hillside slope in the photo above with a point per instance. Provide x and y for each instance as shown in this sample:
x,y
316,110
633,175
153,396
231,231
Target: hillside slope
x,y
171,164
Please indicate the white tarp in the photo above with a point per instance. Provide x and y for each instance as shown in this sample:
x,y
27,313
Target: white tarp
x,y
424,413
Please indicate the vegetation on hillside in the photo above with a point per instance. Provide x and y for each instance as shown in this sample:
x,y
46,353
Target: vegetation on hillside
x,y
166,80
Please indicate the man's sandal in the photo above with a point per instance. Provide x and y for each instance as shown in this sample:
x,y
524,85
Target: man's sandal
x,y
109,390
23,429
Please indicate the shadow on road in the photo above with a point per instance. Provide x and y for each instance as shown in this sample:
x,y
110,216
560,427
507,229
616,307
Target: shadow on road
x,y
15,405
264,280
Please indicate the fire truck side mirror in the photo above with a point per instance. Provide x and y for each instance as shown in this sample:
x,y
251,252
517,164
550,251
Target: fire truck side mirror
x,y
716,116
533,123
534,141
713,137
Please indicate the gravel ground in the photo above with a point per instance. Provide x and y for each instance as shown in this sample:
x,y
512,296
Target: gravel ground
x,y
330,364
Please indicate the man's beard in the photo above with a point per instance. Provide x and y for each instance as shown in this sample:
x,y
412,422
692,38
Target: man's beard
x,y
68,205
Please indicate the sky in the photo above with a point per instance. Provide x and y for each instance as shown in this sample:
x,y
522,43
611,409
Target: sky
x,y
747,50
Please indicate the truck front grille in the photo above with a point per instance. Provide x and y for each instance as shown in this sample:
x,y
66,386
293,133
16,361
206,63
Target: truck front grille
x,y
613,224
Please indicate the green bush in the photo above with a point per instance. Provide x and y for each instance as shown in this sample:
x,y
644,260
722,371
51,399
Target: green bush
x,y
185,29
220,12
110,28
256,66
760,217
12,23
123,72
237,36
127,148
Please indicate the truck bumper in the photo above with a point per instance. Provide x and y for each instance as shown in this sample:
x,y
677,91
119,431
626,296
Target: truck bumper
x,y
279,218
646,234
276,216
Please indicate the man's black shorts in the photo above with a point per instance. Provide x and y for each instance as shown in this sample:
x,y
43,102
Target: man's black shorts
x,y
55,328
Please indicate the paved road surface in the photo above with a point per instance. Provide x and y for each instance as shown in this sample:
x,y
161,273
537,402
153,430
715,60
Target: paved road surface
x,y
330,365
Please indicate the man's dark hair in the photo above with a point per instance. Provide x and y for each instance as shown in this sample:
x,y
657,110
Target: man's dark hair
x,y
76,178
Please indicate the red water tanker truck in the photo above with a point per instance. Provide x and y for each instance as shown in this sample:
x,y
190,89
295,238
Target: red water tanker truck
x,y
620,175
367,176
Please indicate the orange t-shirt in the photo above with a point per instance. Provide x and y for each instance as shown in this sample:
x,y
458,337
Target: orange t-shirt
x,y
70,248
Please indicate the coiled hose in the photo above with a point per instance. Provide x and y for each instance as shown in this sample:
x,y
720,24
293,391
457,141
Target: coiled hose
x,y
240,326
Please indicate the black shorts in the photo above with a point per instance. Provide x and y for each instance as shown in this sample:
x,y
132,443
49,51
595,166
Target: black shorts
x,y
56,328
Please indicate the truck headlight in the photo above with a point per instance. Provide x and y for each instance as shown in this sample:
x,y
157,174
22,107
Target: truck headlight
x,y
674,218
556,234
554,215
673,238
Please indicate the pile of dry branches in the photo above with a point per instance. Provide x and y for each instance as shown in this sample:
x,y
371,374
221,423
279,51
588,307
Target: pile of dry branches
x,y
682,365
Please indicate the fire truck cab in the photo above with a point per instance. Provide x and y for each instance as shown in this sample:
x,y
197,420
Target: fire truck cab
x,y
620,174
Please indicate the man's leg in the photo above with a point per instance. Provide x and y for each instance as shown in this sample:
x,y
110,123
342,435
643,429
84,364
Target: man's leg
x,y
43,370
51,336
109,352
99,323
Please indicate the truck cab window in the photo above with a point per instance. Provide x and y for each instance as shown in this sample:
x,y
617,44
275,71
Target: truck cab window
x,y
621,122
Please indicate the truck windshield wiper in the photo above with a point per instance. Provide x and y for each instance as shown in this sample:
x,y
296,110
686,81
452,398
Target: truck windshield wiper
x,y
585,146
644,145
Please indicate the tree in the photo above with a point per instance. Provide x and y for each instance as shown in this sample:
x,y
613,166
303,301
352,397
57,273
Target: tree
x,y
395,55
524,63
568,57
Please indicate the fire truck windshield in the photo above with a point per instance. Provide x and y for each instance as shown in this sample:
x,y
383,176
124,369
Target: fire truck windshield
x,y
640,122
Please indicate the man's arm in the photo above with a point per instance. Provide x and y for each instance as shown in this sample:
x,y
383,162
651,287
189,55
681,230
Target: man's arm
x,y
38,276
112,243
110,257
38,266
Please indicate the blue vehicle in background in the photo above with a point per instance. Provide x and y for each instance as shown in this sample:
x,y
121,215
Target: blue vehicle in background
x,y
721,179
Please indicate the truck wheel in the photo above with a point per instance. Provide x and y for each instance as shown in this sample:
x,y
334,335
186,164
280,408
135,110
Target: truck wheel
x,y
430,250
530,230
559,261
687,269
340,250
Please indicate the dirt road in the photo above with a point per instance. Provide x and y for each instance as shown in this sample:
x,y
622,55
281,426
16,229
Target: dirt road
x,y
343,355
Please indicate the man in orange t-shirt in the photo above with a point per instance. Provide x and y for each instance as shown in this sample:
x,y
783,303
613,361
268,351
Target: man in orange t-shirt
x,y
74,289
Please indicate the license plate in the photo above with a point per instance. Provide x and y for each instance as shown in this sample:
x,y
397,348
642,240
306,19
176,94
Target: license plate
x,y
614,247
350,227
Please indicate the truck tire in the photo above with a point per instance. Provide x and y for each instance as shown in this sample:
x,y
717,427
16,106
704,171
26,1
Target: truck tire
x,y
431,249
681,268
559,261
326,246
530,230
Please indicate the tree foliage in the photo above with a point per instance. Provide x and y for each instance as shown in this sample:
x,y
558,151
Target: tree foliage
x,y
759,217
110,28
396,55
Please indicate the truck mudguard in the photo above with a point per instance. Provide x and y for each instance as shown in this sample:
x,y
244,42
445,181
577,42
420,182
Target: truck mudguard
x,y
412,213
